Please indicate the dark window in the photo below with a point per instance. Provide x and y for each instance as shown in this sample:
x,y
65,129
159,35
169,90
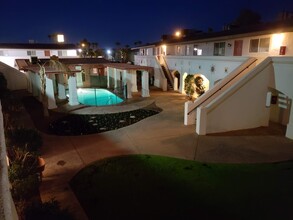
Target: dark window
x,y
219,49
259,45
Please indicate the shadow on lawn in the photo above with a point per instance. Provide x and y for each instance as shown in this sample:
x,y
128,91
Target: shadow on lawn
x,y
155,187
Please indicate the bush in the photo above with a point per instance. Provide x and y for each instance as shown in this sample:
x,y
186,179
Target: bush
x,y
25,188
3,82
22,164
189,85
24,138
47,211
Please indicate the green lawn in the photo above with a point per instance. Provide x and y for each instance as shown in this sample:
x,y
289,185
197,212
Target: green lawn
x,y
154,187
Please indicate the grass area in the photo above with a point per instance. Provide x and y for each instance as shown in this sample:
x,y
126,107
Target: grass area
x,y
155,187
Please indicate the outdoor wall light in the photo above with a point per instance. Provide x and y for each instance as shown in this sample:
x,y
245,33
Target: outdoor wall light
x,y
177,33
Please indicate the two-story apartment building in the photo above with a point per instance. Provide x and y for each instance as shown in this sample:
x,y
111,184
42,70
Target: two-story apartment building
x,y
242,69
9,52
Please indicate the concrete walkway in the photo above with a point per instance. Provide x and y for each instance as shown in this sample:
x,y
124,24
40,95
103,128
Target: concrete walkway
x,y
161,134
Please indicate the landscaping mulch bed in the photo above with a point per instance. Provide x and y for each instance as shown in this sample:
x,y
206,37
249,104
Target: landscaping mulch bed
x,y
75,124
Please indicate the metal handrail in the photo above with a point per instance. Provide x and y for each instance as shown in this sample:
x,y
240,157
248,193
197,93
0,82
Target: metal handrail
x,y
166,67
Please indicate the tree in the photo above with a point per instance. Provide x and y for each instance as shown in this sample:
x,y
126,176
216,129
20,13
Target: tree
x,y
138,43
90,49
247,17
55,65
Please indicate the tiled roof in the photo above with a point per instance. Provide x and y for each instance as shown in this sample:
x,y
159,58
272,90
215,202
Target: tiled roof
x,y
25,64
37,46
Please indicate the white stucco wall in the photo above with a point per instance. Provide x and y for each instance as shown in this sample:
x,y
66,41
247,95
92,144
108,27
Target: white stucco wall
x,y
249,95
16,80
8,56
193,65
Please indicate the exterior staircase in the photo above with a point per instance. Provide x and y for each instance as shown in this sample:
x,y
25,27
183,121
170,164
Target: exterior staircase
x,y
170,80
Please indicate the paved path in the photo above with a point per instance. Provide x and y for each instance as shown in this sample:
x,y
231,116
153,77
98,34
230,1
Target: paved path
x,y
161,134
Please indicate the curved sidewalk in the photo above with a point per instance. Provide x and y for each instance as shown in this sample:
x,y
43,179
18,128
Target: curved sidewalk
x,y
161,134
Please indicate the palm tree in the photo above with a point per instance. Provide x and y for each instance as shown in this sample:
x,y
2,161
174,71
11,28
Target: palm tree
x,y
138,43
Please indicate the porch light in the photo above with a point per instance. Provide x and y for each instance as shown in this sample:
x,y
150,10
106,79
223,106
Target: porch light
x,y
164,48
277,41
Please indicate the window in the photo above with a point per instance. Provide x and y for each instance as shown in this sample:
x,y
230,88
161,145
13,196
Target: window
x,y
187,50
259,45
178,50
264,45
62,53
219,49
195,50
31,53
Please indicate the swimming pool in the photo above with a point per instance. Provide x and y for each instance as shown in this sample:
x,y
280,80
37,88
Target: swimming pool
x,y
97,97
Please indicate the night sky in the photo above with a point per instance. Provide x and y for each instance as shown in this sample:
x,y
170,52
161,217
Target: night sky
x,y
124,21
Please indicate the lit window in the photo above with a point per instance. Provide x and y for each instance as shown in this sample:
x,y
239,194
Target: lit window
x,y
95,70
199,52
60,38
195,50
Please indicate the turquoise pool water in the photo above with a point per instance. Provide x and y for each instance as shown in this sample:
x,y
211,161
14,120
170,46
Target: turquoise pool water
x,y
97,97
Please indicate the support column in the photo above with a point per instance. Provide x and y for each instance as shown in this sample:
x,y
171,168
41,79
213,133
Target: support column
x,y
34,78
127,82
73,100
50,93
129,93
61,87
38,86
145,92
30,82
108,77
132,75
115,77
289,130
175,84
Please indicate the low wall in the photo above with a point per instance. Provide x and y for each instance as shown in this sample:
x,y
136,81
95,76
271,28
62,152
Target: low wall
x,y
7,208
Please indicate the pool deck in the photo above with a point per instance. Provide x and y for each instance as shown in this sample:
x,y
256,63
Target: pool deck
x,y
162,134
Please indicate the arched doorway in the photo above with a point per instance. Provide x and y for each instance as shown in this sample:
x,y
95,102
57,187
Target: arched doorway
x,y
280,108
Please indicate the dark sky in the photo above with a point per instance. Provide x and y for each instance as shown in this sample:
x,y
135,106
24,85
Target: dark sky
x,y
125,21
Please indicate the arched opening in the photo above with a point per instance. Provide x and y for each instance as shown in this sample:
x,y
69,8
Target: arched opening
x,y
195,85
280,108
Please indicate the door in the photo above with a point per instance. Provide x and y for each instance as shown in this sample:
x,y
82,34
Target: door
x,y
238,47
